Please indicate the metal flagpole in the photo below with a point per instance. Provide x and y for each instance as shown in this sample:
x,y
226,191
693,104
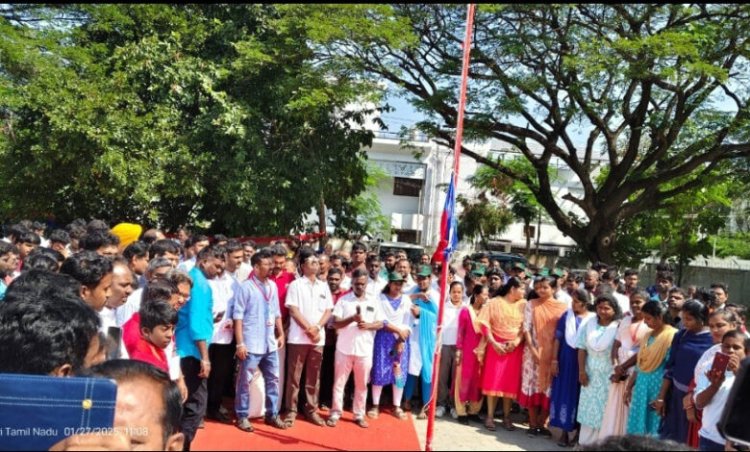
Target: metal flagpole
x,y
446,260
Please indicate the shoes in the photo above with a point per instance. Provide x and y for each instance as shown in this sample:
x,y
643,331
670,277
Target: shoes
x,y
332,421
316,419
440,411
361,422
475,418
245,425
508,425
276,422
422,414
219,417
454,414
224,411
373,413
532,432
399,413
202,424
463,420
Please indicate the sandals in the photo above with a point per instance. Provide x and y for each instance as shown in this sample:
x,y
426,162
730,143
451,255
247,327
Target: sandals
x,y
399,413
373,413
508,425
276,421
332,421
491,427
289,420
361,422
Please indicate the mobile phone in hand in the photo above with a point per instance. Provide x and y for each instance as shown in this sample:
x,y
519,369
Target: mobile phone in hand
x,y
721,361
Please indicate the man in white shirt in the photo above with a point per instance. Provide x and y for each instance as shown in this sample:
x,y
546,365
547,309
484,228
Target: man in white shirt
x,y
356,318
375,283
221,350
310,304
157,268
338,262
562,295
193,246
121,289
403,266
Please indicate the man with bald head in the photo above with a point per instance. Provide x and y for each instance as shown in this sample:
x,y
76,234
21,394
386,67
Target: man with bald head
x,y
591,281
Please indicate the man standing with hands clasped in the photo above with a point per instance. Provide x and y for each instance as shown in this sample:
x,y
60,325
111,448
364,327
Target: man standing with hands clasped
x,y
310,304
356,317
259,334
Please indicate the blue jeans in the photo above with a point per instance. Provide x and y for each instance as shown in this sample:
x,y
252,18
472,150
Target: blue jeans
x,y
269,367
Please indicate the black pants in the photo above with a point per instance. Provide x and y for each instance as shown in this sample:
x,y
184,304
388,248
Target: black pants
x,y
326,375
194,407
222,369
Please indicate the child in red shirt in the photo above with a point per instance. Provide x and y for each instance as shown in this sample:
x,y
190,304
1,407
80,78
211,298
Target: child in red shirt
x,y
157,321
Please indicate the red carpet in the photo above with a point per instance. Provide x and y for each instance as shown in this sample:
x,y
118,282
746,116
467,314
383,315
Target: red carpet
x,y
384,433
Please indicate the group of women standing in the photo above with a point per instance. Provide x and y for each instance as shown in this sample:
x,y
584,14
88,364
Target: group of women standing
x,y
505,350
587,366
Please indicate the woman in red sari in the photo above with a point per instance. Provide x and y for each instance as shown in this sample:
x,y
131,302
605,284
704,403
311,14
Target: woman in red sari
x,y
467,384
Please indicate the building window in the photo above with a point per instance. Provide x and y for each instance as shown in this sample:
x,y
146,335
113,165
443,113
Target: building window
x,y
529,231
408,235
407,187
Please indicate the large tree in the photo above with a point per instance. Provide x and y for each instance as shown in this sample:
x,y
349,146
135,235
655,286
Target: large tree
x,y
660,93
216,115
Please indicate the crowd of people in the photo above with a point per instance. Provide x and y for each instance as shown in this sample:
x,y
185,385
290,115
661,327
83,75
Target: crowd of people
x,y
200,320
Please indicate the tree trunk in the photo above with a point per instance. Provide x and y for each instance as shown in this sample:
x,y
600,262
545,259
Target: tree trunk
x,y
599,244
538,236
322,228
527,228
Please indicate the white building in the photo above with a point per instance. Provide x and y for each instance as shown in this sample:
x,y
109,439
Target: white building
x,y
414,194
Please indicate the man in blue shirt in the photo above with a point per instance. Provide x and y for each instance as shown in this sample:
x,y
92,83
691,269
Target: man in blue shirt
x,y
195,327
259,334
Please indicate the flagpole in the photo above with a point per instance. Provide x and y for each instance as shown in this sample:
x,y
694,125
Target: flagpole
x,y
446,259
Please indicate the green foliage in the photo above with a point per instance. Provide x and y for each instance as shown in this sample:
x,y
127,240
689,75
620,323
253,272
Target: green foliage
x,y
482,218
679,231
364,214
169,114
735,245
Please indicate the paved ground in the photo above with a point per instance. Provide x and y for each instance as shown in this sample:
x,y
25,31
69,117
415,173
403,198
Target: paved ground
x,y
450,435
